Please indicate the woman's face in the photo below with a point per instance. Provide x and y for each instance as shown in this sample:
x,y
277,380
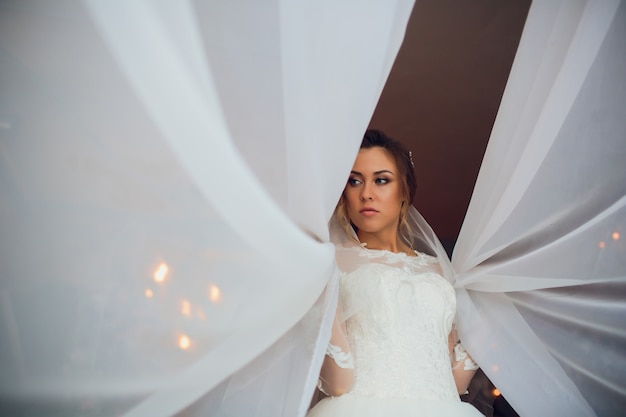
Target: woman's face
x,y
373,194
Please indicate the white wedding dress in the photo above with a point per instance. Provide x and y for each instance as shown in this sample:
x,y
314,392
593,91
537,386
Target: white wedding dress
x,y
399,313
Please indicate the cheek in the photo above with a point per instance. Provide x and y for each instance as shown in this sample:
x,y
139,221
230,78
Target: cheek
x,y
394,196
395,201
350,200
400,194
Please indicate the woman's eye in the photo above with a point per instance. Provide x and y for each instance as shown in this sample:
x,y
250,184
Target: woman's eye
x,y
381,181
353,182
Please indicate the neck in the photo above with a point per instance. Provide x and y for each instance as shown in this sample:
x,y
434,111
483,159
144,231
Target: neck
x,y
389,241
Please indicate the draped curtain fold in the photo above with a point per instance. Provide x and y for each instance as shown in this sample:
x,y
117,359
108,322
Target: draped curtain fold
x,y
168,169
540,258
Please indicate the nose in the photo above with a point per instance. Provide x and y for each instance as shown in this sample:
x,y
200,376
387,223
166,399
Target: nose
x,y
366,192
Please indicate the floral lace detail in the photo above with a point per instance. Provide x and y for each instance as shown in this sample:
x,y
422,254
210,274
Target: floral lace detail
x,y
460,354
409,264
341,358
398,333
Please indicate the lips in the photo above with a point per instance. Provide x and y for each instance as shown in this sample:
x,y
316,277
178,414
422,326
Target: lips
x,y
368,211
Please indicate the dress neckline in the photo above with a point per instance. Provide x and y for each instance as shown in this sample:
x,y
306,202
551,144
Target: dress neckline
x,y
387,251
377,253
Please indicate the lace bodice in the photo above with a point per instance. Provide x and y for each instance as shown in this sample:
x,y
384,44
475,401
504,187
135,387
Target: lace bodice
x,y
400,315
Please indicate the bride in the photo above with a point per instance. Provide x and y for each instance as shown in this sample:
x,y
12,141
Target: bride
x,y
393,350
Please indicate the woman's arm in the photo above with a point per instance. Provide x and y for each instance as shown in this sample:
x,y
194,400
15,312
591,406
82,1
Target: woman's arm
x,y
337,374
463,366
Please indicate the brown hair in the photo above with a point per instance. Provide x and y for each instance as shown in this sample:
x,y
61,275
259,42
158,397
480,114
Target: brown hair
x,y
377,139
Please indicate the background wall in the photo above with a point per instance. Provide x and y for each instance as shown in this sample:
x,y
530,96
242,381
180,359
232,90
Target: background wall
x,y
442,97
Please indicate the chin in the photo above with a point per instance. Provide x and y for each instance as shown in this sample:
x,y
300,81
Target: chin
x,y
368,228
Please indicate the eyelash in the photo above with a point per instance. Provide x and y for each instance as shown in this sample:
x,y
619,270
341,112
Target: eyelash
x,y
378,181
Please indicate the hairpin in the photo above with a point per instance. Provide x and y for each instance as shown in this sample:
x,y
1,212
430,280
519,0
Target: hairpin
x,y
411,159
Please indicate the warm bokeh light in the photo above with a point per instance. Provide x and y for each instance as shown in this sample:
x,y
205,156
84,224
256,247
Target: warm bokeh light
x,y
149,293
184,342
200,313
215,294
615,235
495,368
185,308
161,272
496,392
601,245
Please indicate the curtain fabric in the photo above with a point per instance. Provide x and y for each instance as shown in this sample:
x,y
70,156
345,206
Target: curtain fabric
x,y
168,170
540,258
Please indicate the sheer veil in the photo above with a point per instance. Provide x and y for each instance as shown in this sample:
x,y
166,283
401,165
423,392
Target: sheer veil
x,y
168,171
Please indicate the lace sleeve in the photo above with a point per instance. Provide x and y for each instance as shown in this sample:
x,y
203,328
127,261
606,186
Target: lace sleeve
x,y
463,366
461,356
342,359
337,374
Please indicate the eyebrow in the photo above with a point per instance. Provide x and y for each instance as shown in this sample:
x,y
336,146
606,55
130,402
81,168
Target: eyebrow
x,y
384,171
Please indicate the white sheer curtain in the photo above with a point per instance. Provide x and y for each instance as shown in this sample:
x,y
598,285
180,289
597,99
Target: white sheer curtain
x,y
541,257
168,172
